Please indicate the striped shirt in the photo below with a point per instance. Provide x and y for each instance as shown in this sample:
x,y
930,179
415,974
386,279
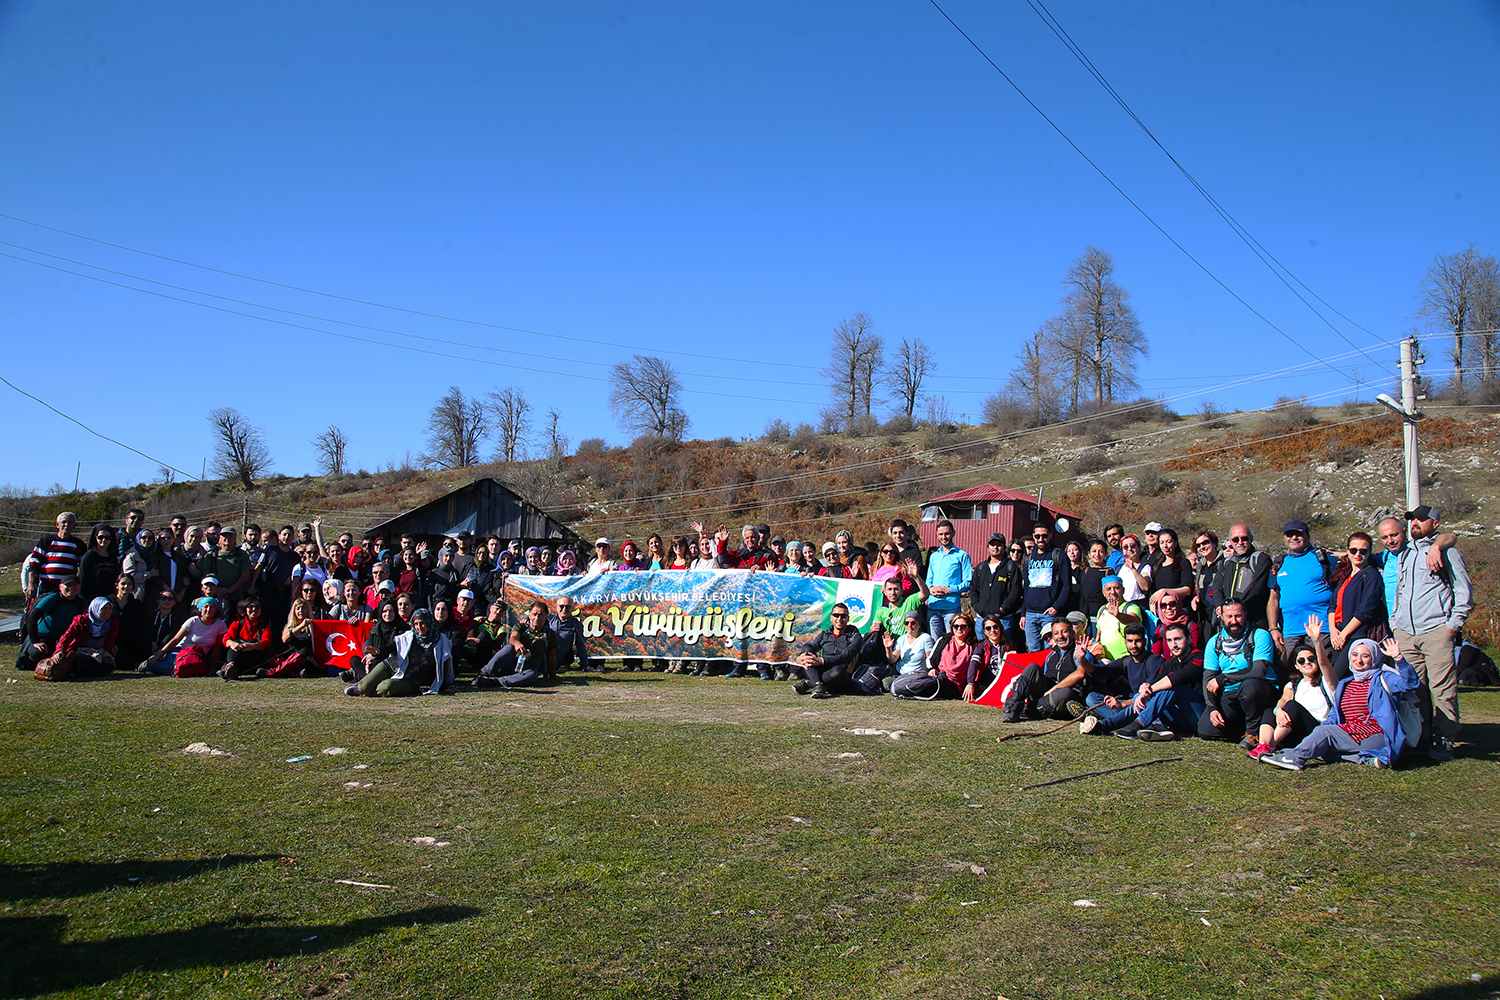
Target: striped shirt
x,y
1354,706
58,558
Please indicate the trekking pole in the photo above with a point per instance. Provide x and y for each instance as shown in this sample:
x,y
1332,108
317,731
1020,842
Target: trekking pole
x,y
1057,729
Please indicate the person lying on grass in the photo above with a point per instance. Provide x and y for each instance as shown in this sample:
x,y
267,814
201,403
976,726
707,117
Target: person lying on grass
x,y
1305,700
1364,724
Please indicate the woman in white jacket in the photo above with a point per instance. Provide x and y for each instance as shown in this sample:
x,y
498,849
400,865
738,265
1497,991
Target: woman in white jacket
x,y
422,663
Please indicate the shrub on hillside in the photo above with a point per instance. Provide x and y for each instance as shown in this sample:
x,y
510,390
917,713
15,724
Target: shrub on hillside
x,y
776,431
1092,460
1452,499
1289,414
1198,495
1286,501
802,438
898,424
1151,481
590,448
1212,416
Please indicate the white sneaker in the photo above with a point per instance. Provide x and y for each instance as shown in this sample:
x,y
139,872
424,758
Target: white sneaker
x,y
1089,725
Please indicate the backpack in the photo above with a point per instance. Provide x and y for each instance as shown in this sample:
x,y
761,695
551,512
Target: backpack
x,y
1323,558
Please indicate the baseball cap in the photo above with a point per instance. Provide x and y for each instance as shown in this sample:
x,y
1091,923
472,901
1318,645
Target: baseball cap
x,y
1154,526
387,585
1077,618
998,538
466,592
600,541
228,530
211,579
1423,513
1295,527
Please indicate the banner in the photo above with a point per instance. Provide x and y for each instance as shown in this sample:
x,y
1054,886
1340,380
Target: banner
x,y
334,642
752,617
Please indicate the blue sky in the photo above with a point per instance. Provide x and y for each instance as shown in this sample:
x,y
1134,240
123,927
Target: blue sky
x,y
714,180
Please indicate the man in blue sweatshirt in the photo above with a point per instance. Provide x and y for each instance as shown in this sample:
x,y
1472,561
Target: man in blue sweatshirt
x,y
1047,581
950,572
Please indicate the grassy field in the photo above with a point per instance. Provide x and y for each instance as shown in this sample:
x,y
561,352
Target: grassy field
x,y
641,835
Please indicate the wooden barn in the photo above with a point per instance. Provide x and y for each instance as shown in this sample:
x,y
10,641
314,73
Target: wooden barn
x,y
483,507
980,511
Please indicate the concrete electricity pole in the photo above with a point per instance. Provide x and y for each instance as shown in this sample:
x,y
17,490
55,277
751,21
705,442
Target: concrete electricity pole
x,y
1410,358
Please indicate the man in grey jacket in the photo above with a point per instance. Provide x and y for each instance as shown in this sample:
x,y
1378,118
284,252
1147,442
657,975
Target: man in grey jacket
x,y
1429,616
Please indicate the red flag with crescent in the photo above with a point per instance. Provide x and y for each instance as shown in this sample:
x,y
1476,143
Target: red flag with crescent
x,y
334,642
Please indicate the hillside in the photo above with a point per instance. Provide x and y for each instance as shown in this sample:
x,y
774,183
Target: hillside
x,y
1339,468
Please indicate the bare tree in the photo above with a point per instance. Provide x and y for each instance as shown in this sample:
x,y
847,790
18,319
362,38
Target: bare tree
x,y
1034,384
240,450
455,430
644,397
1097,330
510,407
1459,287
557,443
854,362
331,447
908,370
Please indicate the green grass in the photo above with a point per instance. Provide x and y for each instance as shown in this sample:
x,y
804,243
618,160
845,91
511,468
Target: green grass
x,y
642,835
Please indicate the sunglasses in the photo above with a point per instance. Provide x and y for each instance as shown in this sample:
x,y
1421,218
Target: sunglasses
x,y
1307,659
838,614
962,625
1239,538
992,628
1358,552
1205,545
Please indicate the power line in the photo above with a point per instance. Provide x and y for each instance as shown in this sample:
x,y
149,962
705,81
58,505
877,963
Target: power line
x,y
401,309
102,437
1121,192
1264,255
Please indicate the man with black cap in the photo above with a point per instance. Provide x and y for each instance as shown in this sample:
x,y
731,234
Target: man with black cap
x,y
996,587
1431,607
1301,587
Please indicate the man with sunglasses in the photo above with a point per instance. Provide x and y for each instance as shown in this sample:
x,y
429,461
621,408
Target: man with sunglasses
x,y
1047,578
1301,587
1244,576
1431,608
1054,689
829,656
135,520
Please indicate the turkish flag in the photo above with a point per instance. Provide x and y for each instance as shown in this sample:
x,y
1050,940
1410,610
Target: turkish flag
x,y
995,695
334,642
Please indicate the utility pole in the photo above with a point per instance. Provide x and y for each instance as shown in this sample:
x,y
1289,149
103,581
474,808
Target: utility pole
x,y
1411,357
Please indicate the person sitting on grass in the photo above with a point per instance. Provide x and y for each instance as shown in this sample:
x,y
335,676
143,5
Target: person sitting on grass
x,y
528,655
1054,688
248,642
907,653
379,645
87,648
828,657
953,666
1364,724
1305,700
1129,673
1238,676
203,630
50,617
1170,704
421,664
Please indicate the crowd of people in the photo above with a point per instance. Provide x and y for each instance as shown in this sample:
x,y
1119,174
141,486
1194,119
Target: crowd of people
x,y
1311,654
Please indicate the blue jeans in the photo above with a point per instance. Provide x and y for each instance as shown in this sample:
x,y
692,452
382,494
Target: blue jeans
x,y
1331,744
938,622
1036,621
1111,718
1178,708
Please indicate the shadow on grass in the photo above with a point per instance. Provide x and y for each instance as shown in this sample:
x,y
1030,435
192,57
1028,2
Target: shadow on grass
x,y
38,961
69,879
1458,991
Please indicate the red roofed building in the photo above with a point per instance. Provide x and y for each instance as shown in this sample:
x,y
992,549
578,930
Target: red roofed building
x,y
980,511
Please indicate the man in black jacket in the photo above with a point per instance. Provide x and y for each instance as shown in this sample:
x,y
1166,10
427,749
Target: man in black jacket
x,y
1244,576
1048,582
1054,689
1171,703
996,587
829,656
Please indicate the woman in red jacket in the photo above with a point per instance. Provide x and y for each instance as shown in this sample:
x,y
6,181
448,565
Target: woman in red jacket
x,y
87,648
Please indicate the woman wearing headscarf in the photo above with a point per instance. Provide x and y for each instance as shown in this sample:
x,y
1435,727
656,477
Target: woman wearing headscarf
x,y
143,562
567,564
87,648
380,644
421,664
1364,725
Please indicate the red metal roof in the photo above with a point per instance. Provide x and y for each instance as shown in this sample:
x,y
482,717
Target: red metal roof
x,y
988,492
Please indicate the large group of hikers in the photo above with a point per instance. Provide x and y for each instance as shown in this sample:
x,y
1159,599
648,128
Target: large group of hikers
x,y
1311,655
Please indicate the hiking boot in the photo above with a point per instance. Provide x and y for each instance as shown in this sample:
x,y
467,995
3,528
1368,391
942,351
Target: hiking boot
x,y
1074,708
347,676
1089,726
1281,758
821,691
1129,731
1009,716
1439,749
1259,750
782,674
802,687
1156,734
482,681
1250,741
